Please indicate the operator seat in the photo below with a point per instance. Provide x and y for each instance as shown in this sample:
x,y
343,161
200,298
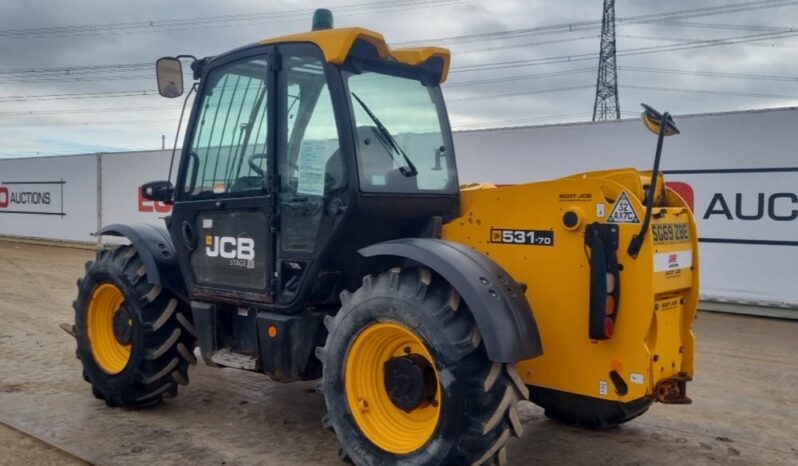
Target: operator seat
x,y
377,164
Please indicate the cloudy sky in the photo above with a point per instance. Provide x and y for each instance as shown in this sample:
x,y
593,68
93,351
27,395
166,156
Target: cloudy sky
x,y
515,62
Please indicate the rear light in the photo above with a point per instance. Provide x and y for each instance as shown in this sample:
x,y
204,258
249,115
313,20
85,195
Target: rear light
x,y
609,307
602,240
609,326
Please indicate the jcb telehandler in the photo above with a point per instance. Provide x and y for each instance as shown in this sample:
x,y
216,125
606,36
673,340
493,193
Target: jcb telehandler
x,y
318,232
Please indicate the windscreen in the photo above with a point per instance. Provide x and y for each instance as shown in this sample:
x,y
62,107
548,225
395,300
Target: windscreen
x,y
401,143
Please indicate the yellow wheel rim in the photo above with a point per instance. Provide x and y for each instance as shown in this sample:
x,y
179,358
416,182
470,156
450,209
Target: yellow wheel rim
x,y
111,355
381,421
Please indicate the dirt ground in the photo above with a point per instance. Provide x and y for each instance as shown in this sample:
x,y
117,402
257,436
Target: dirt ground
x,y
744,412
19,448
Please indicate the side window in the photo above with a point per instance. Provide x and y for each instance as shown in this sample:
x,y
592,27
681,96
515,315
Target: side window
x,y
228,152
311,168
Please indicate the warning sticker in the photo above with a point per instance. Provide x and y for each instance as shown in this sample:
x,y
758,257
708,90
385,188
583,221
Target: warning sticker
x,y
623,211
673,260
603,387
311,168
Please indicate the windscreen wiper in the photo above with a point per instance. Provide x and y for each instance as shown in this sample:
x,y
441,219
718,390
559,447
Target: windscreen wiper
x,y
410,169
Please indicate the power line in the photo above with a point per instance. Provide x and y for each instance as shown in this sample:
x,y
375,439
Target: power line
x,y
216,20
727,26
502,80
636,51
567,27
86,110
528,44
84,69
76,95
714,74
88,123
595,24
677,41
710,91
515,94
76,79
466,68
778,78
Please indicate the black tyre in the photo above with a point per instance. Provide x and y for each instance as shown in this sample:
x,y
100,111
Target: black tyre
x,y
585,411
407,380
135,339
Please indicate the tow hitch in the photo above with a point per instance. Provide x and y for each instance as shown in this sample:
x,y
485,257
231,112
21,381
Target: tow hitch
x,y
673,390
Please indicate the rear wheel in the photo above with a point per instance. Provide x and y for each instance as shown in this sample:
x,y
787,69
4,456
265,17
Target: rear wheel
x,y
407,380
135,339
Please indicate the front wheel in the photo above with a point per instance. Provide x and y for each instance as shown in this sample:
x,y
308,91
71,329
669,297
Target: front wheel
x,y
407,380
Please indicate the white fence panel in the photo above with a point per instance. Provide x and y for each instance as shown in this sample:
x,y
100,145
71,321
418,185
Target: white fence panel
x,y
49,197
122,177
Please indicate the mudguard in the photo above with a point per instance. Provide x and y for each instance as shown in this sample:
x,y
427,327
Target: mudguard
x,y
496,300
156,251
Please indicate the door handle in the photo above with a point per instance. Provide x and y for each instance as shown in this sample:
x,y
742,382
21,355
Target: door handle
x,y
189,235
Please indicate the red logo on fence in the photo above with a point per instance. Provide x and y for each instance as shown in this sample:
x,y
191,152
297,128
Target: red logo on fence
x,y
5,198
146,205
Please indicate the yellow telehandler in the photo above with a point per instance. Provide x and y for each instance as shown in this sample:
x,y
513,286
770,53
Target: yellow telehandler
x,y
319,231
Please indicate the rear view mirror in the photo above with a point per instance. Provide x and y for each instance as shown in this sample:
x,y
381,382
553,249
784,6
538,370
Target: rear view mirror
x,y
170,77
161,191
653,121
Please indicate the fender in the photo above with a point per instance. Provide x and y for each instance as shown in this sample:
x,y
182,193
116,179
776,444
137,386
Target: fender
x,y
157,252
496,300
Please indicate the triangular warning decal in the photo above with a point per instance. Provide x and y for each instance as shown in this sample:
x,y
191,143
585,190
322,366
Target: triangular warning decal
x,y
623,212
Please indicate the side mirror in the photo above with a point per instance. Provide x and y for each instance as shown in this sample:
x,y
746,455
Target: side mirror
x,y
653,121
161,191
170,77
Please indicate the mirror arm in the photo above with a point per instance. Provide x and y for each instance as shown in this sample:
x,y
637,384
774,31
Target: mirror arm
x,y
637,240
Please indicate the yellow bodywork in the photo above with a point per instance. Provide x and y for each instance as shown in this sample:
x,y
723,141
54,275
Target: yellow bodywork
x,y
335,44
652,339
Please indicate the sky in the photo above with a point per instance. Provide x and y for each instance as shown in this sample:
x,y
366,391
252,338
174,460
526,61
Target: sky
x,y
514,62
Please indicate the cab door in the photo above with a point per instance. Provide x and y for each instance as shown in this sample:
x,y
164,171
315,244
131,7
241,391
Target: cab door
x,y
223,216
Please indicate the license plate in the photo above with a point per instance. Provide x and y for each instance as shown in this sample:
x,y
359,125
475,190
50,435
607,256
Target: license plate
x,y
665,233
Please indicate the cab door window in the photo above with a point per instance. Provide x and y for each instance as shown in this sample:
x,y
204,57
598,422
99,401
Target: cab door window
x,y
229,150
311,169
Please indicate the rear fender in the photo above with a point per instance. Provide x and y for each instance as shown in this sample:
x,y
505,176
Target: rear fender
x,y
497,302
155,248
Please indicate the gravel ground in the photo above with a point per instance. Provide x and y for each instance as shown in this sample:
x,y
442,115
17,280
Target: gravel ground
x,y
744,411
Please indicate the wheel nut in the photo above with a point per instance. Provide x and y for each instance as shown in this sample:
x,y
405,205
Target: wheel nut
x,y
363,404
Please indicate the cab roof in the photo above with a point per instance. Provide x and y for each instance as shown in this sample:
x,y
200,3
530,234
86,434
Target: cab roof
x,y
337,43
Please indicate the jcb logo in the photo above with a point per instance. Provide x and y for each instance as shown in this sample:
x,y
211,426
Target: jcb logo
x,y
228,247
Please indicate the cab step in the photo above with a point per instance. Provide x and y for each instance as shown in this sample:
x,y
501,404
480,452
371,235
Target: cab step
x,y
225,357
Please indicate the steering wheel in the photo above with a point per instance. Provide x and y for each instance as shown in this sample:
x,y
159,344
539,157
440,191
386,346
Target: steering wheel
x,y
251,161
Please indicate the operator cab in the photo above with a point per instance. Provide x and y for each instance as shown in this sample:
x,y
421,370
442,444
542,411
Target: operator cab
x,y
299,151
